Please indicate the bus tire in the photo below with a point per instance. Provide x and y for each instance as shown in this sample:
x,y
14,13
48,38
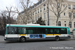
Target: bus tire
x,y
22,39
57,38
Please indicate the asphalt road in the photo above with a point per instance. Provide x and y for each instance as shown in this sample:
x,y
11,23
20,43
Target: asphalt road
x,y
38,45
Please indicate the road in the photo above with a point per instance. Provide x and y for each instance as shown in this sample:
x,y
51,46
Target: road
x,y
38,45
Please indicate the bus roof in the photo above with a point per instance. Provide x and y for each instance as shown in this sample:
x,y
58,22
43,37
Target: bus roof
x,y
17,25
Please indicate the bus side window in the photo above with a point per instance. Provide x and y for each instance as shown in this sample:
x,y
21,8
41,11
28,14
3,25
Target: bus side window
x,y
41,30
56,31
63,31
24,30
50,31
29,30
12,30
46,31
21,30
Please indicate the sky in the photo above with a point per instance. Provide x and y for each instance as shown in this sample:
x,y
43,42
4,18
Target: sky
x,y
9,3
13,3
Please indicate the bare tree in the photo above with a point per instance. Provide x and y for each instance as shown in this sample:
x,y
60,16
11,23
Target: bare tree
x,y
26,7
6,17
3,20
10,14
56,6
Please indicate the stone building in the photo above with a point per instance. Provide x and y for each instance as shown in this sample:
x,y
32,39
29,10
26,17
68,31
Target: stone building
x,y
41,9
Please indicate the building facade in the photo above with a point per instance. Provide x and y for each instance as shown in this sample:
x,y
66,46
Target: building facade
x,y
42,9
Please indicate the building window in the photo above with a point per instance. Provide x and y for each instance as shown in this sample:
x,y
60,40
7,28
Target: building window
x,y
33,13
58,5
65,25
64,14
70,24
69,6
64,21
47,6
44,6
41,15
74,24
36,12
73,15
63,5
59,23
40,9
73,6
70,14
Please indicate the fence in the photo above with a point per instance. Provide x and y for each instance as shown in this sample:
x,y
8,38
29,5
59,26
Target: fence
x,y
2,32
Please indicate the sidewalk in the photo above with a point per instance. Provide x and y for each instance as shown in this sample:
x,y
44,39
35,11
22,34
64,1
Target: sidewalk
x,y
1,38
72,37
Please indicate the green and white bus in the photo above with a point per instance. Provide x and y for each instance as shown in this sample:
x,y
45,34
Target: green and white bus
x,y
31,32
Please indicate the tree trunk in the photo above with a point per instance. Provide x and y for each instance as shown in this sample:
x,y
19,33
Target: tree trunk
x,y
57,21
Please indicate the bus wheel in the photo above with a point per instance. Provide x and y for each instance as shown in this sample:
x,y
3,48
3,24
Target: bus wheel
x,y
22,39
57,38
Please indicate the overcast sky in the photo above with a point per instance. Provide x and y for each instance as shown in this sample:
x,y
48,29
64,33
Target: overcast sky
x,y
14,3
9,3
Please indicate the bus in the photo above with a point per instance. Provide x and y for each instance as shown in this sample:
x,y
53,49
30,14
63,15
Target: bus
x,y
15,32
